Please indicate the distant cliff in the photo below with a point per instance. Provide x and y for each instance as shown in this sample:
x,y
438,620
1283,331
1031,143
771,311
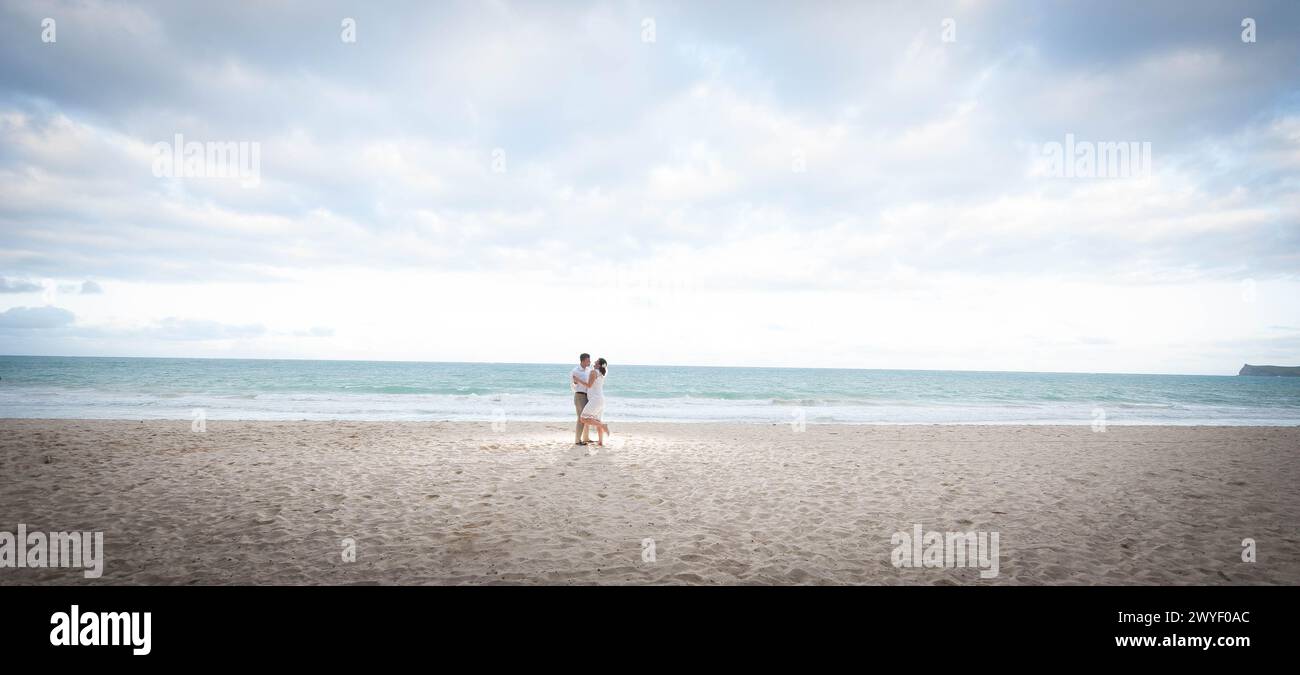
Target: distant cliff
x,y
1275,371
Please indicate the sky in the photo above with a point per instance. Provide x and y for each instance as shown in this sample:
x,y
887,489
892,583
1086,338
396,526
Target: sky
x,y
817,184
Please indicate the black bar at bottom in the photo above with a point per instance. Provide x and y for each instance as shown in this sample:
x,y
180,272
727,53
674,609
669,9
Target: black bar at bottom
x,y
211,625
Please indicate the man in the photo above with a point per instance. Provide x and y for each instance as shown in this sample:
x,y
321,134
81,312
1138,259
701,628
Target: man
x,y
578,378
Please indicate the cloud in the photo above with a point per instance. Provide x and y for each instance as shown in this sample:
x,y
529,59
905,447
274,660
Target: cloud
x,y
749,149
606,136
57,322
35,318
83,288
172,328
19,286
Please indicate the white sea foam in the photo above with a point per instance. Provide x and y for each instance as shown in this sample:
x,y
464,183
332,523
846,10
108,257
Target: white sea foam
x,y
52,403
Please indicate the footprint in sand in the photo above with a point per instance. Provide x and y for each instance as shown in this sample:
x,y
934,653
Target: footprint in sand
x,y
266,517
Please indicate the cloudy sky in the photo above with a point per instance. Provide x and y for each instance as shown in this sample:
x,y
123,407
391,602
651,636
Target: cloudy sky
x,y
797,184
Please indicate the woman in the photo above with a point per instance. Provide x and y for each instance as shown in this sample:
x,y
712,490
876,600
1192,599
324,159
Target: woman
x,y
596,401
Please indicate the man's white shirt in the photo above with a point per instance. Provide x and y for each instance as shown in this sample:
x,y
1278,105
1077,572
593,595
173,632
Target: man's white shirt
x,y
582,374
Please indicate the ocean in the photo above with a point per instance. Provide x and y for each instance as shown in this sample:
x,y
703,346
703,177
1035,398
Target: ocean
x,y
254,389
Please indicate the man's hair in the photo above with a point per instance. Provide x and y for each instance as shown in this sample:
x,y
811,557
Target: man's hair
x,y
584,355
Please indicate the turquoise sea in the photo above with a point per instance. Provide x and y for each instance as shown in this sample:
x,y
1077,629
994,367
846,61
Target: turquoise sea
x,y
149,388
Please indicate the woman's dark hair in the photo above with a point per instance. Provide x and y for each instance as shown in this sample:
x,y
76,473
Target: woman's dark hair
x,y
600,365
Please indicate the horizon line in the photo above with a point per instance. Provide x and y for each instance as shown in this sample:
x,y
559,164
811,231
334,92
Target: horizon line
x,y
639,365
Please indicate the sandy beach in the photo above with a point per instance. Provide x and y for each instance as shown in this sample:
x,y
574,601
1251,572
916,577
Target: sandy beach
x,y
464,503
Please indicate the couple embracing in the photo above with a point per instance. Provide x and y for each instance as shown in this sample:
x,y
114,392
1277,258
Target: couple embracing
x,y
588,383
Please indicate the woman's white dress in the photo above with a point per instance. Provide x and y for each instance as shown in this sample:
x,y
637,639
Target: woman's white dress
x,y
595,398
